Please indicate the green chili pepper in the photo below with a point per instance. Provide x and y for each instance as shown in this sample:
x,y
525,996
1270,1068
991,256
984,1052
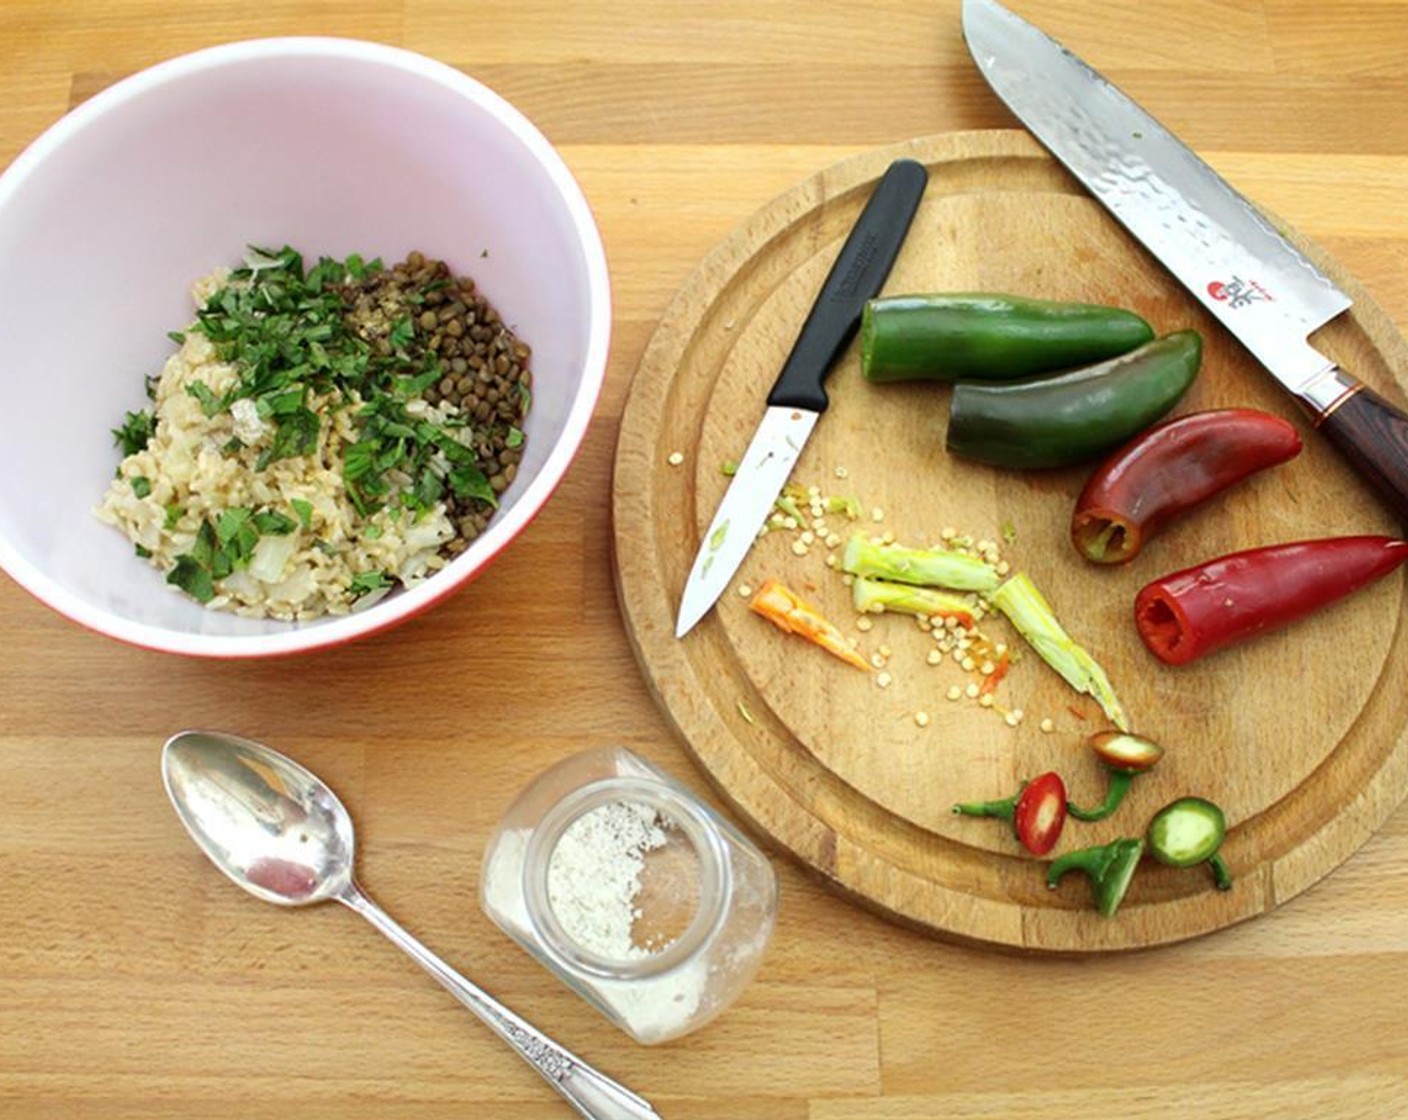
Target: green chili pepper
x,y
1110,867
1123,755
1187,832
1062,419
989,336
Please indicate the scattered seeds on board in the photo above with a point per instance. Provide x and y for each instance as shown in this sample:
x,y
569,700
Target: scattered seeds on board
x,y
1047,726
676,458
745,591
803,511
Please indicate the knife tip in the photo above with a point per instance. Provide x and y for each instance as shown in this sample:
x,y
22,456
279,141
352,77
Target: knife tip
x,y
684,624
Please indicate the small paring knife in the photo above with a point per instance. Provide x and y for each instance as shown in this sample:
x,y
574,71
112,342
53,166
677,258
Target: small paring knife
x,y
798,397
1218,245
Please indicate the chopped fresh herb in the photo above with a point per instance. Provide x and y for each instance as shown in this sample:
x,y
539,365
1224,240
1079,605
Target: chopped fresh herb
x,y
468,481
729,467
144,553
150,381
363,582
372,532
136,432
210,404
174,514
402,334
297,434
141,486
514,439
429,489
232,446
271,523
192,578
230,522
304,511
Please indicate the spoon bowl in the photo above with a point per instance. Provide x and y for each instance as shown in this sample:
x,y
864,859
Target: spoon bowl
x,y
269,824
275,829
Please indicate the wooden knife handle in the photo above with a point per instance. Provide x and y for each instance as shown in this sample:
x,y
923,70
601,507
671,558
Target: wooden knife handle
x,y
1373,435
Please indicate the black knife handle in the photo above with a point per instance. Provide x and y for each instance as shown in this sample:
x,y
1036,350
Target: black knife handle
x,y
856,277
1372,434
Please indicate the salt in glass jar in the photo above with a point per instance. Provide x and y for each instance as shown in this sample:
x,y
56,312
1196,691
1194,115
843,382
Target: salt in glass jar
x,y
632,891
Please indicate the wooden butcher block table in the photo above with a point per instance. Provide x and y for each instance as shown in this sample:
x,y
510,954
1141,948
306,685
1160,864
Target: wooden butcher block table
x,y
919,967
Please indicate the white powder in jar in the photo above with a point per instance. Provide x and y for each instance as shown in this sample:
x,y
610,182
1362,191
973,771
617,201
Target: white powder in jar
x,y
594,877
593,883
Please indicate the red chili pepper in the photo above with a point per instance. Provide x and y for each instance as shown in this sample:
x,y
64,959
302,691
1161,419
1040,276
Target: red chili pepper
x,y
1037,812
1169,469
1041,814
1189,614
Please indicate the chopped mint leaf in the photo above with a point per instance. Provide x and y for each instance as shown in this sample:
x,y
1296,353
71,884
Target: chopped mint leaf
x,y
402,334
210,404
363,582
192,578
274,524
141,486
136,432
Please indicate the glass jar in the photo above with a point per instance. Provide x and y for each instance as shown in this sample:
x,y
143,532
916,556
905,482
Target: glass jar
x,y
632,891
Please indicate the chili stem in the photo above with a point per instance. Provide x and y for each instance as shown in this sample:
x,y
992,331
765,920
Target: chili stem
x,y
1120,781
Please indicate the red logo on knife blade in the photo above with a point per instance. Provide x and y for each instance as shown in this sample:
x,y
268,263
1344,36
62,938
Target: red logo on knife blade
x,y
1237,292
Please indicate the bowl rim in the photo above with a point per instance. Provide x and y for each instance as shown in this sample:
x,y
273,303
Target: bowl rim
x,y
509,523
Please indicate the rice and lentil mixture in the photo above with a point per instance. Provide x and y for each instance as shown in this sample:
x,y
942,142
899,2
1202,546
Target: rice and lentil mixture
x,y
322,436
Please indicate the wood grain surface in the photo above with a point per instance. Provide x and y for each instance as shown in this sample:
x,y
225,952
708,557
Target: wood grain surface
x,y
136,982
856,773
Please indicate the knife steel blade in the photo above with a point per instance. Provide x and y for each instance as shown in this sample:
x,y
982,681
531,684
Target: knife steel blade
x,y
1217,244
798,397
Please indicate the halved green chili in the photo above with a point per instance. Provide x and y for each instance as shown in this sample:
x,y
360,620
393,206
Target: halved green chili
x,y
1110,868
1190,831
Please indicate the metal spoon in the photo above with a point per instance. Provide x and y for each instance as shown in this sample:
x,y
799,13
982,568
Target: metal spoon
x,y
283,836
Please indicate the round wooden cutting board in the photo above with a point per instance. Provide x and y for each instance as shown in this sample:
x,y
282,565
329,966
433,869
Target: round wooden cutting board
x,y
1299,736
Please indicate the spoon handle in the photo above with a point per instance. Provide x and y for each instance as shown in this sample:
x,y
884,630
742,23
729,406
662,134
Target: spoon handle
x,y
588,1090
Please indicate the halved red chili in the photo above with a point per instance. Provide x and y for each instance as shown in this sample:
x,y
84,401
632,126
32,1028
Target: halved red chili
x,y
1169,469
1193,612
1037,812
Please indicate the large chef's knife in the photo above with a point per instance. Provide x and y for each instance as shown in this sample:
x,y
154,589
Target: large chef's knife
x,y
1268,295
798,398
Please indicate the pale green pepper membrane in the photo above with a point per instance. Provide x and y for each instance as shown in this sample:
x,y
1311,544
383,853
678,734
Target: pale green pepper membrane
x,y
869,595
1027,609
926,567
